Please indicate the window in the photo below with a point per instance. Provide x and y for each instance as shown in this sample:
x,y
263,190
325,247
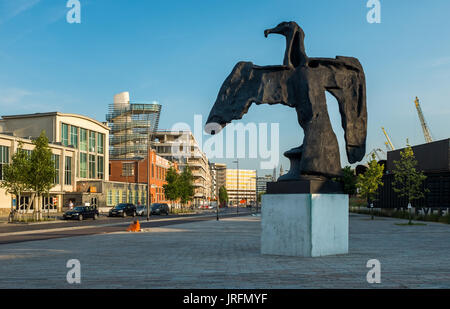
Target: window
x,y
83,165
144,198
74,136
64,134
109,198
92,166
91,141
55,159
68,171
124,197
100,142
4,159
100,167
128,169
27,152
117,197
83,139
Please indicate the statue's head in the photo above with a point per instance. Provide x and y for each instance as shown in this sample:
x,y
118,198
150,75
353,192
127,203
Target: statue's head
x,y
285,28
234,98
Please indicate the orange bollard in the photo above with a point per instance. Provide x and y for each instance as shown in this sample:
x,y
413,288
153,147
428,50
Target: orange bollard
x,y
134,227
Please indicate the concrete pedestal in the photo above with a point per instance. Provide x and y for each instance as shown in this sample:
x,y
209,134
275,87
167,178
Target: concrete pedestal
x,y
306,225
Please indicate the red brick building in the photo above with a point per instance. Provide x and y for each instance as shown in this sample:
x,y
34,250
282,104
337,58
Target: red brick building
x,y
135,171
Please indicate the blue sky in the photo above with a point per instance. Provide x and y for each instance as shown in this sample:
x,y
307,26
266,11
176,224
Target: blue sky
x,y
180,52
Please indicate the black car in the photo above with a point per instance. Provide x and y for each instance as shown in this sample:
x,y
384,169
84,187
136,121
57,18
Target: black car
x,y
81,212
160,208
123,210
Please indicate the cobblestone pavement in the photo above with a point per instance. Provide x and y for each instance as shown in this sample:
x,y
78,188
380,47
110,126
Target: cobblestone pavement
x,y
225,254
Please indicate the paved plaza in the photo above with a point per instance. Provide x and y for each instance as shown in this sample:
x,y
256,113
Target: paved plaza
x,y
226,254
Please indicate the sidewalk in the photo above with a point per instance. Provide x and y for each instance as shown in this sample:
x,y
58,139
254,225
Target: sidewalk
x,y
225,254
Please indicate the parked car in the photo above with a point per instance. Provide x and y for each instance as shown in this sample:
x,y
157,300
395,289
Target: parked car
x,y
141,210
159,209
123,210
81,212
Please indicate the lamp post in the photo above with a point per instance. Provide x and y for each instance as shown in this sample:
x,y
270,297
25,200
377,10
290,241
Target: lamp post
x,y
237,205
149,148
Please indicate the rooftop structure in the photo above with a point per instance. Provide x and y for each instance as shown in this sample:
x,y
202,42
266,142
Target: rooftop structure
x,y
131,126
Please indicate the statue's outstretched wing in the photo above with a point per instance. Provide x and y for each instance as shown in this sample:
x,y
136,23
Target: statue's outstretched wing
x,y
346,81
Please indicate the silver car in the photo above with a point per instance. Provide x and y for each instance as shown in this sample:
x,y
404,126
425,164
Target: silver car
x,y
141,210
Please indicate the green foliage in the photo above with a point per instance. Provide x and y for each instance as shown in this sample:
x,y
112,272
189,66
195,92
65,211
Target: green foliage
x,y
223,195
16,174
179,186
260,194
185,185
402,214
407,179
348,180
171,188
369,182
42,168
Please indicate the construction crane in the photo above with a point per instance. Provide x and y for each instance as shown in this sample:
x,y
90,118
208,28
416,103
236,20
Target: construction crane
x,y
388,139
426,131
375,151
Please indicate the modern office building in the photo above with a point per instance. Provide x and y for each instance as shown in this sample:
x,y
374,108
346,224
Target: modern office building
x,y
182,148
78,143
241,185
131,126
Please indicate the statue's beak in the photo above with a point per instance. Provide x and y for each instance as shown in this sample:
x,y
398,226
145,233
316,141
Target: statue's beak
x,y
273,30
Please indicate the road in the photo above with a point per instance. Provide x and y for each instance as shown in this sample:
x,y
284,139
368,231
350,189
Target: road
x,y
14,233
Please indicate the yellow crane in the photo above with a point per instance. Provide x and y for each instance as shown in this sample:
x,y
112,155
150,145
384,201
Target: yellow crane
x,y
391,146
426,130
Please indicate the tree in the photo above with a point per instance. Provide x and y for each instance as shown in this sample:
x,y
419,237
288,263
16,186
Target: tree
x,y
42,170
185,185
348,180
369,182
407,179
171,188
260,194
223,196
15,177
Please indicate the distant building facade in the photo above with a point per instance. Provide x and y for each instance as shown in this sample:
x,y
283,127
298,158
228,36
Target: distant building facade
x,y
262,181
241,185
135,170
219,176
182,148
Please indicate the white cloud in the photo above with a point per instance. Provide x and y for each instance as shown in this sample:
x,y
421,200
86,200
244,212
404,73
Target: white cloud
x,y
12,96
19,100
441,61
14,8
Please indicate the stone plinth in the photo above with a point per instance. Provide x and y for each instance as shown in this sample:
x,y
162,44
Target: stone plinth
x,y
307,225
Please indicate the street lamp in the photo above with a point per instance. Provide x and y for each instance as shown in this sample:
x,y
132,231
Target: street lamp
x,y
237,205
